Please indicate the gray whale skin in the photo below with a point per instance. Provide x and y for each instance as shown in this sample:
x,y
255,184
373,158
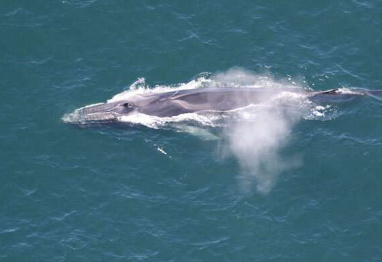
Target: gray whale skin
x,y
196,100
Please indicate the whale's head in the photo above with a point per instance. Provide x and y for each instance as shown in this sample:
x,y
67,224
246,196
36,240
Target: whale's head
x,y
99,114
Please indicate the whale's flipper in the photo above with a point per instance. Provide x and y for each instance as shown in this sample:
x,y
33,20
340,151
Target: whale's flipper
x,y
199,132
376,94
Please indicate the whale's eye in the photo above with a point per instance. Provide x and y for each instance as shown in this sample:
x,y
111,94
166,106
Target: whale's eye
x,y
128,105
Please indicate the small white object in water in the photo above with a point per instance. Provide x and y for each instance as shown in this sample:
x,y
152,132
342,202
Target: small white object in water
x,y
161,150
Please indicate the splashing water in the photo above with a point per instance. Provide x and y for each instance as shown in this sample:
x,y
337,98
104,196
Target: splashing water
x,y
139,87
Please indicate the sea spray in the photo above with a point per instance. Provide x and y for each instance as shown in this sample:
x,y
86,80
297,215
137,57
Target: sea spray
x,y
257,134
257,144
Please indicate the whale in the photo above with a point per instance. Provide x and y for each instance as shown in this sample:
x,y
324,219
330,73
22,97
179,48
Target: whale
x,y
173,103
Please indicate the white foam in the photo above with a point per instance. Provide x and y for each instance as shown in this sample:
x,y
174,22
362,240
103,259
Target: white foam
x,y
204,119
139,88
344,90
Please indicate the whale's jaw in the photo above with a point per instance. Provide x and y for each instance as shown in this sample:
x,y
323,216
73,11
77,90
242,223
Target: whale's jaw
x,y
93,115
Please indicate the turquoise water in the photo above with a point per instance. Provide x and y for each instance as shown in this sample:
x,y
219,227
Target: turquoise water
x,y
274,188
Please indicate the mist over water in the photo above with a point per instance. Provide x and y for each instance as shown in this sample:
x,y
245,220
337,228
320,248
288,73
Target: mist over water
x,y
258,144
241,77
258,134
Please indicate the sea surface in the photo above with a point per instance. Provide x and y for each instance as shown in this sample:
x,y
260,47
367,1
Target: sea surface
x,y
289,181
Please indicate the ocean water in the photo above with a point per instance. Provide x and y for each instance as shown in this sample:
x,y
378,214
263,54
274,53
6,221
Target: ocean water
x,y
268,183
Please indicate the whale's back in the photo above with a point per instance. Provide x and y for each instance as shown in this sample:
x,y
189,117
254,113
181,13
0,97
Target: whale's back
x,y
204,99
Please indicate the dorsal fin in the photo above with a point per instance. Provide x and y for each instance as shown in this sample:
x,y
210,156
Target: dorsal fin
x,y
329,92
